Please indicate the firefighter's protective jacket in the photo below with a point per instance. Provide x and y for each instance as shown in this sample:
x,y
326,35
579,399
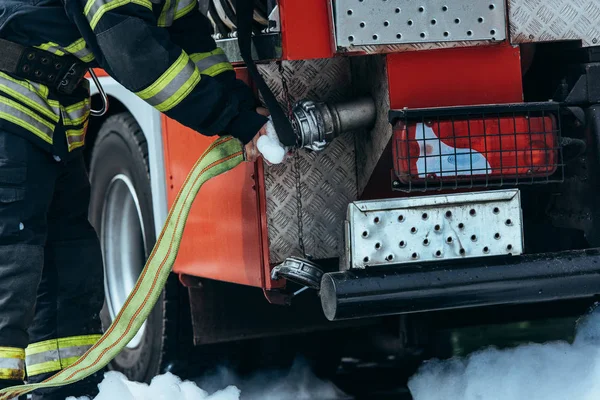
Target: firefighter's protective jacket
x,y
161,50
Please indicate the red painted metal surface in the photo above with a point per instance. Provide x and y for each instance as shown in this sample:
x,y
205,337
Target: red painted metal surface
x,y
452,77
306,29
224,237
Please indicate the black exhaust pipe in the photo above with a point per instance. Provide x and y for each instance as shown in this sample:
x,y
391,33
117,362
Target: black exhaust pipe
x,y
399,290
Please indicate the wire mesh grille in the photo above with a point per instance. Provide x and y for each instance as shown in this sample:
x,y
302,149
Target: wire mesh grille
x,y
466,147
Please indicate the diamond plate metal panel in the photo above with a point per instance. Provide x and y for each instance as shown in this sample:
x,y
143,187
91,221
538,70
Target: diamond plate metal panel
x,y
550,20
328,178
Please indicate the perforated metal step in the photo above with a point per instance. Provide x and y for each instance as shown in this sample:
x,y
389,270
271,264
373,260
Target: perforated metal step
x,y
434,228
385,22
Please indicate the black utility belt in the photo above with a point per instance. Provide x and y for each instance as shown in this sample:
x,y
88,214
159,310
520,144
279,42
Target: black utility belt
x,y
61,73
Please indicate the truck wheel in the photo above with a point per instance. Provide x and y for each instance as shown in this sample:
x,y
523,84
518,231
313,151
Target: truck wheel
x,y
121,213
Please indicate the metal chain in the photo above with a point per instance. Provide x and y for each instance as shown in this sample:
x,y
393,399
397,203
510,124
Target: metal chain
x,y
296,168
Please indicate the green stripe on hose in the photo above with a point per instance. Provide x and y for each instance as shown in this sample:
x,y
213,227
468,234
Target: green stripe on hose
x,y
223,155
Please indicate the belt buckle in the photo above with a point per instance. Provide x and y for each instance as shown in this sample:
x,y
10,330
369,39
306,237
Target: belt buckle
x,y
69,82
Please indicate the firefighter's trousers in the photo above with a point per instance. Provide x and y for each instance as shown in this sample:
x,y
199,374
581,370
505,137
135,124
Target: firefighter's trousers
x,y
51,278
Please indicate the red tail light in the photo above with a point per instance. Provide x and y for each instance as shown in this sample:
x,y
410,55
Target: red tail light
x,y
484,149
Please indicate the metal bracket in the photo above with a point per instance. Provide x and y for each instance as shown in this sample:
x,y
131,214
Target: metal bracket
x,y
300,271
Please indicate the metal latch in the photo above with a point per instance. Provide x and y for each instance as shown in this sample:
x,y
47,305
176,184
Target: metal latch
x,y
299,270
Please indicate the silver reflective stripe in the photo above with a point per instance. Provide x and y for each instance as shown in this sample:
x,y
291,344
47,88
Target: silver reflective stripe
x,y
43,357
77,113
84,54
12,363
95,9
74,351
20,92
80,50
174,85
19,115
182,5
54,50
56,355
174,9
76,137
167,16
209,61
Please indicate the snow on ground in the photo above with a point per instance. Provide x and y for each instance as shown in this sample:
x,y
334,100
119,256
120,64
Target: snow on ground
x,y
298,384
550,371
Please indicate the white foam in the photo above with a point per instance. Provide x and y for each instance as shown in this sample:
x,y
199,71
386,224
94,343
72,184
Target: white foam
x,y
551,371
299,383
272,151
163,387
270,146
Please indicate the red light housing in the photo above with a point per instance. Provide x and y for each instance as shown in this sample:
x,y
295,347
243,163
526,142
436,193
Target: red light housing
x,y
430,152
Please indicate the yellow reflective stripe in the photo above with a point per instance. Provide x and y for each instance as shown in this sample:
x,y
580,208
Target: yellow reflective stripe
x,y
12,352
85,340
17,114
76,138
212,63
12,363
77,121
41,90
79,50
52,48
31,99
184,7
41,347
181,93
26,111
175,9
12,374
77,113
173,85
196,57
95,9
56,354
77,106
71,360
165,78
167,14
43,368
26,125
26,84
76,46
217,69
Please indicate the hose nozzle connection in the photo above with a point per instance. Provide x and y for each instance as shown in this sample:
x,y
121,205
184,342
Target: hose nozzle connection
x,y
317,123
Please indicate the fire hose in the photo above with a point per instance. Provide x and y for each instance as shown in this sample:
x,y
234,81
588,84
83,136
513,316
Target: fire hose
x,y
223,155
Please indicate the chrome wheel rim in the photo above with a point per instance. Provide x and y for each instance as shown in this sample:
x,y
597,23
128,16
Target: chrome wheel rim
x,y
123,246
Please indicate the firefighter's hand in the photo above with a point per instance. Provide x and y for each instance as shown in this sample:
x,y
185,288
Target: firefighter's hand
x,y
251,149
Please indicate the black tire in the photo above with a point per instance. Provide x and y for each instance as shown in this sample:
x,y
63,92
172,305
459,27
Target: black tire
x,y
120,148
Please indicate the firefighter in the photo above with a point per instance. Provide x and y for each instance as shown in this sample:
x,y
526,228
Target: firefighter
x,y
51,276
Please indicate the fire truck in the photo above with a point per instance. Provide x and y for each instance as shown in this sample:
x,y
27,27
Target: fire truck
x,y
447,160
